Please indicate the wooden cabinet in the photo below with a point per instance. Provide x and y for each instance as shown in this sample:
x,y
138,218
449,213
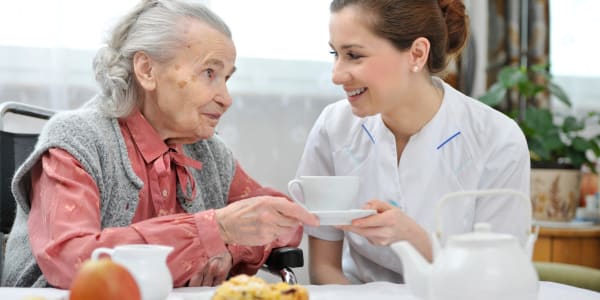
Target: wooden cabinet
x,y
579,246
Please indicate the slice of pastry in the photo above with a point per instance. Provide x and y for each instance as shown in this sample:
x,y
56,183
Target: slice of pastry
x,y
244,287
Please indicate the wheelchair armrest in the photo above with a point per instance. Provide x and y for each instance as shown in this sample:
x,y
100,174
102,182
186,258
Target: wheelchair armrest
x,y
285,257
281,260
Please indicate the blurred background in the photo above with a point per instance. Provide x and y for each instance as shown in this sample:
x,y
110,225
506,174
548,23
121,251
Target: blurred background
x,y
284,66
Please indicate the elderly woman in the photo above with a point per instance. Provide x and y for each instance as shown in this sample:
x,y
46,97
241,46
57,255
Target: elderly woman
x,y
140,163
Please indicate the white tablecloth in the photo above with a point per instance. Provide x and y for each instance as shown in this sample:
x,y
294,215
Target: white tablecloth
x,y
375,290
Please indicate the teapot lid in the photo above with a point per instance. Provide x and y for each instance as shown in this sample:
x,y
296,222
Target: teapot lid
x,y
483,236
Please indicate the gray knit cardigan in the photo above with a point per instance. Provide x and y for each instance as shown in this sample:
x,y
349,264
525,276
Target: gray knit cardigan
x,y
96,142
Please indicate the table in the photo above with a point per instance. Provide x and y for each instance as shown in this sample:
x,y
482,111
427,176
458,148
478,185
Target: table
x,y
570,245
374,290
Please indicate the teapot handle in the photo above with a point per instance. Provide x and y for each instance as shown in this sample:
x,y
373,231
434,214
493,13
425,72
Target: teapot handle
x,y
491,192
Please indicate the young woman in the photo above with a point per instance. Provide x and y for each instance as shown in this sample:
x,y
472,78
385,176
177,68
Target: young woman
x,y
410,137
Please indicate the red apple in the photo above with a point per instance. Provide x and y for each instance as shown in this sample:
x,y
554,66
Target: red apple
x,y
103,279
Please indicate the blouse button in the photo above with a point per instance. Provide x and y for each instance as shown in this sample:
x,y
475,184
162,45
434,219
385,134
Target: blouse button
x,y
165,193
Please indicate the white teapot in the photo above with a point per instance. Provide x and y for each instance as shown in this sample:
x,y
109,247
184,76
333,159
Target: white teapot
x,y
148,265
477,265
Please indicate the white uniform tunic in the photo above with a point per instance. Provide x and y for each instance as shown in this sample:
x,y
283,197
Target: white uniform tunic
x,y
466,146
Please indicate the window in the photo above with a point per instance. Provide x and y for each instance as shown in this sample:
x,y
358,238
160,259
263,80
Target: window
x,y
69,24
573,50
277,29
282,47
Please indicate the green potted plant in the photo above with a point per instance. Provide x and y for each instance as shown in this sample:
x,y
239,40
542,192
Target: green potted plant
x,y
557,143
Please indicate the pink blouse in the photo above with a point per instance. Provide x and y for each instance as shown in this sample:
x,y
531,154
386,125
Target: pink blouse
x,y
64,223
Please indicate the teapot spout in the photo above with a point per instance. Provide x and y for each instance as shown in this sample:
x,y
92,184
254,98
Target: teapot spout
x,y
417,271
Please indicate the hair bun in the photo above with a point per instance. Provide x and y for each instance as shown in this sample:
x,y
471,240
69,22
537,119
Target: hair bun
x,y
111,71
444,5
457,23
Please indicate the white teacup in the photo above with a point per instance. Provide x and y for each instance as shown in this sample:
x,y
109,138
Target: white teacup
x,y
147,264
326,193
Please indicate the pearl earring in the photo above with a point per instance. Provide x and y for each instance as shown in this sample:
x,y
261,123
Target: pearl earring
x,y
415,69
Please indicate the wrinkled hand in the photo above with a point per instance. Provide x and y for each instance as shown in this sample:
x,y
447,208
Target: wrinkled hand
x,y
214,271
389,225
261,220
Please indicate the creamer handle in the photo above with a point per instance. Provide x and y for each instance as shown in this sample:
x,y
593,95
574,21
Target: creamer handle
x,y
96,253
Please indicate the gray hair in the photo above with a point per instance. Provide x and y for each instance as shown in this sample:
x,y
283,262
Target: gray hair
x,y
152,28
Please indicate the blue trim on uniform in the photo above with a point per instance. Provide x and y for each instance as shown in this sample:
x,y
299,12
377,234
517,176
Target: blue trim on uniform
x,y
447,140
368,133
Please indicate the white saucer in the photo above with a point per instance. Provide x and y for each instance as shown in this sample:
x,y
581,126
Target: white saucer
x,y
341,217
191,293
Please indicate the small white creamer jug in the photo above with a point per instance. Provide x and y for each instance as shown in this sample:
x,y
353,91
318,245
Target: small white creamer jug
x,y
147,264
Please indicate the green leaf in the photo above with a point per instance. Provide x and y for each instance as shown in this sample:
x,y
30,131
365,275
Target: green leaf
x,y
538,149
526,88
577,158
541,70
511,76
494,95
538,119
571,124
595,147
592,114
552,140
581,144
557,91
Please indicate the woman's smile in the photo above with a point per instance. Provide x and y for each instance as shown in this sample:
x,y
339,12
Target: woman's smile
x,y
355,93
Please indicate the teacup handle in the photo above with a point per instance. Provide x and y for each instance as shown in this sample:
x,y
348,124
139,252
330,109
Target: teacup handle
x,y
297,182
98,251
